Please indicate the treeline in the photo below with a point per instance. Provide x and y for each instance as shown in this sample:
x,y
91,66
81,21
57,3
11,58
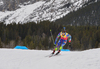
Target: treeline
x,y
88,15
37,36
32,35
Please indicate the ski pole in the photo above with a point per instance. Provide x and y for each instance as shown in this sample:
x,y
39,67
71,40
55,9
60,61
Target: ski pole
x,y
52,36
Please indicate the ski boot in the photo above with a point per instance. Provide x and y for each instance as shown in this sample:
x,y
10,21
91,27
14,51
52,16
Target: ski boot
x,y
57,52
53,51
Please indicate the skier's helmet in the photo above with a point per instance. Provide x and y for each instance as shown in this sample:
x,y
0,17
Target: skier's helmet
x,y
63,31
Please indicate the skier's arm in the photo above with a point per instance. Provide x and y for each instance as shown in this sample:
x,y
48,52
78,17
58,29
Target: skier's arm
x,y
57,38
69,39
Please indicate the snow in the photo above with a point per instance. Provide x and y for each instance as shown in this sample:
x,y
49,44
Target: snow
x,y
5,14
20,14
36,59
41,10
1,2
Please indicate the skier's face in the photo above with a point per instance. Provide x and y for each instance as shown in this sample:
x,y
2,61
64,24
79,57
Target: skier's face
x,y
63,33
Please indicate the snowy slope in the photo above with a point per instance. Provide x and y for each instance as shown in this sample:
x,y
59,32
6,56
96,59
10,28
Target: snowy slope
x,y
42,10
1,2
35,59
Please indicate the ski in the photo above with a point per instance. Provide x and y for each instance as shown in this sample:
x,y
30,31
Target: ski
x,y
49,55
54,55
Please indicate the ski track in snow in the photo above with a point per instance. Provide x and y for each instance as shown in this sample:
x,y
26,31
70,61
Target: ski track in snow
x,y
36,59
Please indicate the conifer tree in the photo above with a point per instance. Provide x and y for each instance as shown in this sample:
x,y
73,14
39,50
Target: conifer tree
x,y
76,44
0,43
31,45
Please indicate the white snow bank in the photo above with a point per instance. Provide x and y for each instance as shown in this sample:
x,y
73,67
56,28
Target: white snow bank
x,y
35,59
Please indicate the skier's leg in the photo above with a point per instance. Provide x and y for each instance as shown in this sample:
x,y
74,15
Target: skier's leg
x,y
63,44
61,47
58,44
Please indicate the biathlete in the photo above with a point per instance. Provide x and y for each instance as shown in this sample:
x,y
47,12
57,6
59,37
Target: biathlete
x,y
64,36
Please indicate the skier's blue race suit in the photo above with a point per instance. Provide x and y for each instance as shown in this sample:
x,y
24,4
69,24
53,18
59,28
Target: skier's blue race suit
x,y
62,41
